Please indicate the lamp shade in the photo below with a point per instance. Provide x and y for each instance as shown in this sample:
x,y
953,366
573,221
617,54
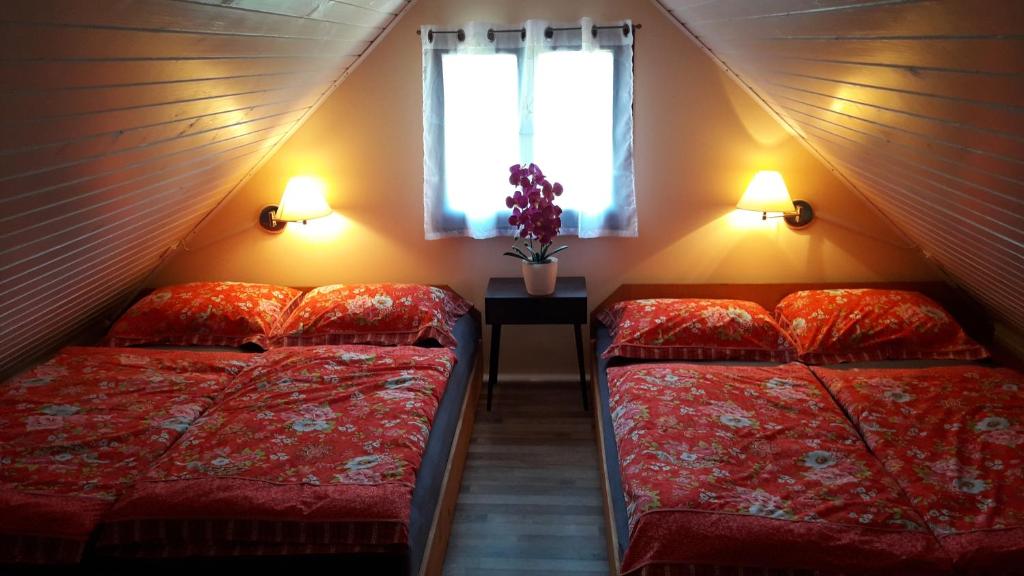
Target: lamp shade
x,y
303,199
767,193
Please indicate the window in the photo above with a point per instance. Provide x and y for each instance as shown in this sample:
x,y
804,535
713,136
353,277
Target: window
x,y
573,125
481,128
559,96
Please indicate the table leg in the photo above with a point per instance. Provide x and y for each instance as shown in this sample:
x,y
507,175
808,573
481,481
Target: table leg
x,y
495,352
579,361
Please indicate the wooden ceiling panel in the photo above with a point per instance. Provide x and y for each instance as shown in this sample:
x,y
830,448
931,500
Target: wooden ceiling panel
x,y
125,122
814,18
1002,91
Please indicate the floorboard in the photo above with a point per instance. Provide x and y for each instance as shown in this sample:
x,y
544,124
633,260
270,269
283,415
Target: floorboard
x,y
530,501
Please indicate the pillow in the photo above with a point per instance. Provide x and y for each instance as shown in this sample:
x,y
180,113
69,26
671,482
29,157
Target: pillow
x,y
850,325
382,314
205,313
694,329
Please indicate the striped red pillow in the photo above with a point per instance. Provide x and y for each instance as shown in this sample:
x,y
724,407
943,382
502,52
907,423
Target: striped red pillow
x,y
205,314
862,324
694,329
385,314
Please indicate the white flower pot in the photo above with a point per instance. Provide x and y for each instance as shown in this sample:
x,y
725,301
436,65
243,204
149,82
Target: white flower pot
x,y
540,278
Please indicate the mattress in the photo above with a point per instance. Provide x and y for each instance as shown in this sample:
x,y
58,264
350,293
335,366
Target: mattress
x,y
345,429
77,430
430,477
611,451
953,437
738,468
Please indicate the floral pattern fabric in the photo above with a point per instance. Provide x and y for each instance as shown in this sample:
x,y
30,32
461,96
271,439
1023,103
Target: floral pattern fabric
x,y
79,429
205,313
953,437
313,445
754,465
382,314
694,329
851,325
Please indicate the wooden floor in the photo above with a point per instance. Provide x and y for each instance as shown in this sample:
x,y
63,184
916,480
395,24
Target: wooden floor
x,y
531,496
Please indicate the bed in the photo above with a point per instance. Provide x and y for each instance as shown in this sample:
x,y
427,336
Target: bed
x,y
403,487
641,534
77,430
376,496
953,438
944,421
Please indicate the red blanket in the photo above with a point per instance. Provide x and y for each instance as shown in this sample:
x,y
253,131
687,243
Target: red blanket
x,y
953,437
77,430
755,468
316,449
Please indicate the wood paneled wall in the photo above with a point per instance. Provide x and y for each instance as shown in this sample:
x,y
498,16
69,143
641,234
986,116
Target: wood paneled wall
x,y
918,104
125,122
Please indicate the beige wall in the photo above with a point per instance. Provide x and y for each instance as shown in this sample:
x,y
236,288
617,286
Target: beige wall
x,y
698,139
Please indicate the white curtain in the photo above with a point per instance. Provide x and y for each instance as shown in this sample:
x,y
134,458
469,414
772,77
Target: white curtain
x,y
558,95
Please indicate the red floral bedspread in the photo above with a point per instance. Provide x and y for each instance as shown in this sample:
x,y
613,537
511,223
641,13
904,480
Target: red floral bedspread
x,y
953,437
315,450
727,466
78,429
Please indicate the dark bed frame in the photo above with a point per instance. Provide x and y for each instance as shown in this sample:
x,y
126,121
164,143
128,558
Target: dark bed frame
x,y
965,310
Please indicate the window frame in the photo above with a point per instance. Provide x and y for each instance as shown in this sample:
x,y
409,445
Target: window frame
x,y
618,219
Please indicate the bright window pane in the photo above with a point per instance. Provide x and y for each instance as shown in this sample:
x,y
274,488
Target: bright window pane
x,y
573,126
481,131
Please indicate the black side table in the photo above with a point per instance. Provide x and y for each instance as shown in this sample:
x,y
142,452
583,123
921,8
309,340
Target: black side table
x,y
507,302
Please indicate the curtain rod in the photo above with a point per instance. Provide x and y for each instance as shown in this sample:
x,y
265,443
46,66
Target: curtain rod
x,y
549,32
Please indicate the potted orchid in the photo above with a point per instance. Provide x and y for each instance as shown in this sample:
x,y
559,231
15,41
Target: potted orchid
x,y
536,218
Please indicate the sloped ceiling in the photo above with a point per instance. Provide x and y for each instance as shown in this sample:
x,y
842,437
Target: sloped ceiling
x,y
918,104
126,121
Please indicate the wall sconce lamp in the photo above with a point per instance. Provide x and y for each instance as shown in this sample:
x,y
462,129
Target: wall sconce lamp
x,y
767,193
303,200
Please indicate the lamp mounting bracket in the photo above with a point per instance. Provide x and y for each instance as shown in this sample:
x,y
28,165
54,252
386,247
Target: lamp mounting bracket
x,y
803,216
268,221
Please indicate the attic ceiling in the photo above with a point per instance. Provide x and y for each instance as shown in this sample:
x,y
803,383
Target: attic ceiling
x,y
125,122
919,105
